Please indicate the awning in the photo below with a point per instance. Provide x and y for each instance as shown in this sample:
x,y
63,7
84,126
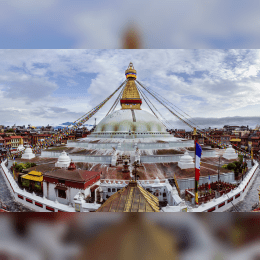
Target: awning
x,y
32,178
60,187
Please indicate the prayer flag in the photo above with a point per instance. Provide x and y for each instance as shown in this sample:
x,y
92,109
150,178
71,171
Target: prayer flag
x,y
197,161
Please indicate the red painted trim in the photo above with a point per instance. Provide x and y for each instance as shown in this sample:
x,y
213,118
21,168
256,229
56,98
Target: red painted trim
x,y
221,205
61,211
230,200
238,195
29,200
130,101
49,208
20,197
38,204
212,209
72,184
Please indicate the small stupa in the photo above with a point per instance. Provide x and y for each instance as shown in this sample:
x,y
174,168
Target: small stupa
x,y
230,153
63,161
28,154
20,147
186,161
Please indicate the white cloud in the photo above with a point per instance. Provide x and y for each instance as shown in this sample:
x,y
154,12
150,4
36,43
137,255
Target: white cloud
x,y
203,83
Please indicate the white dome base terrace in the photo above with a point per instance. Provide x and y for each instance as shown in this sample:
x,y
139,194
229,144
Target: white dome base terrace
x,y
130,124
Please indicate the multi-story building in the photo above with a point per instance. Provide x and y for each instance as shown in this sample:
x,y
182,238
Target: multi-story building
x,y
229,128
7,142
39,137
2,142
180,133
225,139
15,141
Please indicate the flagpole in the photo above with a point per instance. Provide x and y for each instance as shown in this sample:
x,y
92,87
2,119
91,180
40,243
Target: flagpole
x,y
196,182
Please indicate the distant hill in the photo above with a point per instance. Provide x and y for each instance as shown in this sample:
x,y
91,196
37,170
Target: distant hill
x,y
63,125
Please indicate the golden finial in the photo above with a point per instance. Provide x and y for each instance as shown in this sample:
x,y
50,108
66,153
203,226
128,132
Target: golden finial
x,y
130,73
131,98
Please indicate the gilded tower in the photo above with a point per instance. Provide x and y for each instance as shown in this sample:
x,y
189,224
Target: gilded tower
x,y
131,98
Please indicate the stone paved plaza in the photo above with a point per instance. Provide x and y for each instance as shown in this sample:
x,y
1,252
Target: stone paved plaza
x,y
250,199
7,199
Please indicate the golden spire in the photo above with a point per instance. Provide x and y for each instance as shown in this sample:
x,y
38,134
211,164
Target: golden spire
x,y
131,98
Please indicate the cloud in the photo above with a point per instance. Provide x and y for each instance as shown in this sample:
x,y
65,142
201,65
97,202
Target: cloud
x,y
51,85
29,88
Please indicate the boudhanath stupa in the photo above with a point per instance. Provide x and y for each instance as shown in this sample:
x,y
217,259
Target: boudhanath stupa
x,y
130,133
129,129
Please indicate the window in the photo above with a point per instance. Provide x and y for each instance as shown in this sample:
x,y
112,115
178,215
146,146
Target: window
x,y
62,194
61,181
113,190
109,190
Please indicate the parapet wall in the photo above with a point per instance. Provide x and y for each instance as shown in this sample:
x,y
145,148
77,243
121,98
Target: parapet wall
x,y
228,200
30,200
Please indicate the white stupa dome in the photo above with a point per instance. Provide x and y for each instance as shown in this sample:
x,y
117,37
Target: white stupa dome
x,y
230,153
138,122
156,181
63,161
186,161
20,147
28,154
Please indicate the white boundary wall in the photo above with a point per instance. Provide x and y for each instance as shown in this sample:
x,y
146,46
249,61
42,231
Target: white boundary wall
x,y
189,183
223,203
30,200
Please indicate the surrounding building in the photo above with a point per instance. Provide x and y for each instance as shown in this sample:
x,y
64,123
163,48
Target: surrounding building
x,y
32,180
63,184
16,141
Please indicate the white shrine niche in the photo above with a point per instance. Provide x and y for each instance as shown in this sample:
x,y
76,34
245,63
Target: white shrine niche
x,y
114,157
230,153
186,161
20,147
137,155
63,161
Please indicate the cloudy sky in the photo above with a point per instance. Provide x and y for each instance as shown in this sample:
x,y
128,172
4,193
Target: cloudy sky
x,y
210,67
215,87
101,24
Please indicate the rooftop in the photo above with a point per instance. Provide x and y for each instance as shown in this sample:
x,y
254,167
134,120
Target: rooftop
x,y
75,175
132,198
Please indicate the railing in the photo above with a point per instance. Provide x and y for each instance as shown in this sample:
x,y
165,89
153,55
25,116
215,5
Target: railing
x,y
189,183
228,200
125,182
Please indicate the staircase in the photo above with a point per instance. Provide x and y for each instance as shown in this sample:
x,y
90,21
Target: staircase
x,y
120,158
